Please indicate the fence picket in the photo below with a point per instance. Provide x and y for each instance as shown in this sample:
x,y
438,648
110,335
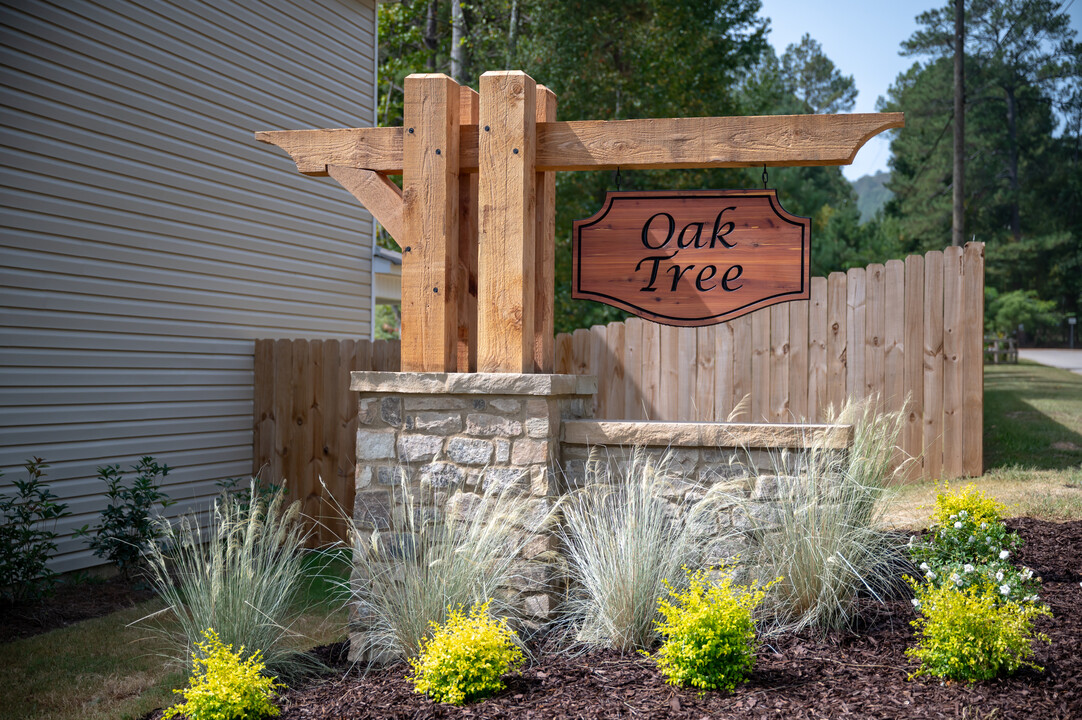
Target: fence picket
x,y
651,370
742,372
973,360
633,364
856,314
837,338
912,432
798,361
933,364
705,372
778,410
723,368
874,316
760,365
817,350
953,361
613,377
894,337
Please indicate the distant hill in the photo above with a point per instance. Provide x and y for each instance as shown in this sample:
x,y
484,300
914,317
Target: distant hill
x,y
872,194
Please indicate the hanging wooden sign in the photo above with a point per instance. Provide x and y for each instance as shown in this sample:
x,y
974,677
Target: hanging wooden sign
x,y
697,257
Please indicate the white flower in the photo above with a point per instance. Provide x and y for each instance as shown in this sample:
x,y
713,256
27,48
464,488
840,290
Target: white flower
x,y
1027,573
956,579
1005,589
988,539
962,513
984,525
958,525
967,568
954,517
916,603
1004,554
971,538
999,576
931,576
924,567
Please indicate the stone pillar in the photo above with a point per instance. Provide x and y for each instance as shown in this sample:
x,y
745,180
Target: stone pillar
x,y
466,431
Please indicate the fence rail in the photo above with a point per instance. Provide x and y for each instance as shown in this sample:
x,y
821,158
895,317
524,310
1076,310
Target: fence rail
x,y
306,421
909,332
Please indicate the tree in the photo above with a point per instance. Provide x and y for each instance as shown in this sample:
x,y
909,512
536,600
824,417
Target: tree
x,y
812,77
1019,46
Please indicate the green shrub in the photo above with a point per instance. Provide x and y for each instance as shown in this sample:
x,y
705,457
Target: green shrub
x,y
823,532
407,574
627,537
128,527
466,657
241,576
969,634
225,685
27,535
709,633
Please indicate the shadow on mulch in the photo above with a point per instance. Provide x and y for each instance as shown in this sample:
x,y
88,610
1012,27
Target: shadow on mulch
x,y
70,603
840,676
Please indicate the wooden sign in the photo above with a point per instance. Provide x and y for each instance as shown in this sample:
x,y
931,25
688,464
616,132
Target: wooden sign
x,y
697,257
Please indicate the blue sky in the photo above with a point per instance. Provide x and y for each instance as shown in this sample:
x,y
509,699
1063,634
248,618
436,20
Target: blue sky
x,y
862,37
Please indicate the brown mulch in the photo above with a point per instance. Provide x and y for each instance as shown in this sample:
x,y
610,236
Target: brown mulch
x,y
69,603
860,676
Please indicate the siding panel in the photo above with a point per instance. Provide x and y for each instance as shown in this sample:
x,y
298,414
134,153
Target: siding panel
x,y
148,239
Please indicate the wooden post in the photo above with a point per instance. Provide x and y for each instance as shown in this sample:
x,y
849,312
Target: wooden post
x,y
545,252
430,195
953,362
507,222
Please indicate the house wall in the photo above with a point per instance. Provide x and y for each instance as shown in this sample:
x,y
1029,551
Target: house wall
x,y
148,239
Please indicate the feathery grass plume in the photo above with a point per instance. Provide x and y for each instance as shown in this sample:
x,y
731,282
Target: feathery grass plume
x,y
429,559
627,537
822,532
240,576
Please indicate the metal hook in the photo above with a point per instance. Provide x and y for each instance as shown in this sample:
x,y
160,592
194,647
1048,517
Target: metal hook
x,y
766,177
616,178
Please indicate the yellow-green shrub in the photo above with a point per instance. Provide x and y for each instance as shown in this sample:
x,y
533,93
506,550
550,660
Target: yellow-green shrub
x,y
225,686
709,633
970,501
465,658
966,634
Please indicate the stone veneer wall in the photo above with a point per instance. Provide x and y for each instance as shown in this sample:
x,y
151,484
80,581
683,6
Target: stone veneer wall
x,y
468,432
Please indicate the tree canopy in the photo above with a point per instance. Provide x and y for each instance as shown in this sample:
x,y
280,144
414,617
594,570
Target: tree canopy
x,y
668,58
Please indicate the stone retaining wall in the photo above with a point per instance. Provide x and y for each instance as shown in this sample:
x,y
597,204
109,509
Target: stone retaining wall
x,y
468,433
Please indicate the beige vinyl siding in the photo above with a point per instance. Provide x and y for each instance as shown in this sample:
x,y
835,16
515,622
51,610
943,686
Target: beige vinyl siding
x,y
148,239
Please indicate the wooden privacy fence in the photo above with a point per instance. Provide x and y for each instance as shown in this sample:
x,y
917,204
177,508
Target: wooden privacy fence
x,y
904,330
909,332
306,421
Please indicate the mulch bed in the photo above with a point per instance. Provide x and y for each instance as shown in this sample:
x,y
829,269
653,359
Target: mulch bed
x,y
70,603
860,676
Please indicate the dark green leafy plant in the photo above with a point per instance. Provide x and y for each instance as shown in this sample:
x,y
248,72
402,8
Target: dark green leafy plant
x,y
263,492
128,524
28,535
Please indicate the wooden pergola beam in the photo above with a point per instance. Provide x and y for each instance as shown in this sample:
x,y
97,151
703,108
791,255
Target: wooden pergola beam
x,y
672,143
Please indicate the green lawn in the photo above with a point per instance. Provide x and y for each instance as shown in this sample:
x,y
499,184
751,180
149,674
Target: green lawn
x,y
1032,446
107,668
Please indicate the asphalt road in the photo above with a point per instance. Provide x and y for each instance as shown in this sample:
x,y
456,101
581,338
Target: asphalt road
x,y
1066,359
